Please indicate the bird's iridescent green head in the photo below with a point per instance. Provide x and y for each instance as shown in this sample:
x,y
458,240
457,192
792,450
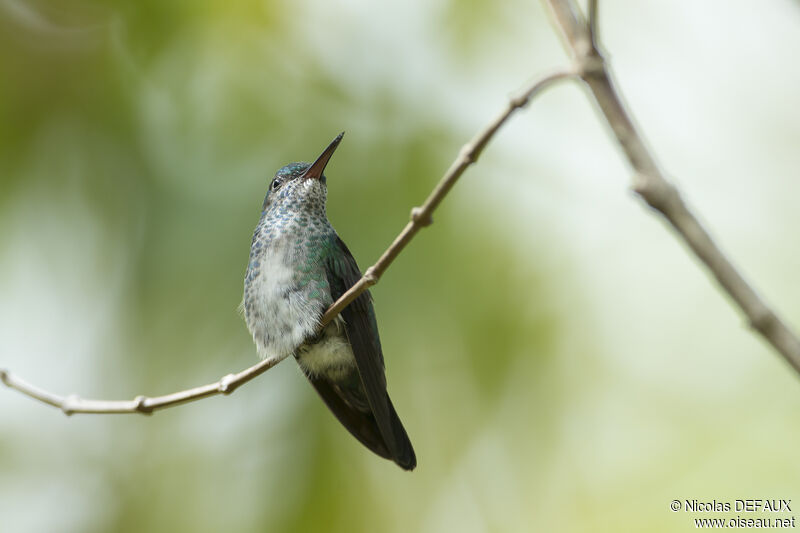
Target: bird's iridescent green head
x,y
299,185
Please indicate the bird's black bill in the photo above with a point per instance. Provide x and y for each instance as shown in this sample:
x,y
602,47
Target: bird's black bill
x,y
318,167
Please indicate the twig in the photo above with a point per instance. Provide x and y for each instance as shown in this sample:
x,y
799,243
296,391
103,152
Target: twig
x,y
420,217
593,23
141,404
651,184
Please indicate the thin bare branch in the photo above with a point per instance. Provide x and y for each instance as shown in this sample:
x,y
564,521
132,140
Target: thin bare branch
x,y
141,404
651,184
593,24
420,217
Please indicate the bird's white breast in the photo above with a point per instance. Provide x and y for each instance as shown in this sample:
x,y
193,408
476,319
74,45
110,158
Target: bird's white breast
x,y
281,315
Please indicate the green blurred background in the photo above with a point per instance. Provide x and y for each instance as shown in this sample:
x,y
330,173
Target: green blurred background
x,y
559,361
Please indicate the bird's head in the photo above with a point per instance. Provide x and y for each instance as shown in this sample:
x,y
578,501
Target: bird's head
x,y
299,186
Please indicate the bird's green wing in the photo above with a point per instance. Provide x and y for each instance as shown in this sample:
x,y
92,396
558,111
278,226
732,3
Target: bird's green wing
x,y
362,332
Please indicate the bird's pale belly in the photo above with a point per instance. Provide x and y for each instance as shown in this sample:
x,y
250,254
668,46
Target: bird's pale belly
x,y
331,356
278,313
284,320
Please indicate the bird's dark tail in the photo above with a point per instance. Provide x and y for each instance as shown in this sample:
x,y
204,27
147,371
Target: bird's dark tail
x,y
404,454
350,407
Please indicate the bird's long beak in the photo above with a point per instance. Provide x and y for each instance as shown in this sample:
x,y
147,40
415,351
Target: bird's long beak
x,y
318,166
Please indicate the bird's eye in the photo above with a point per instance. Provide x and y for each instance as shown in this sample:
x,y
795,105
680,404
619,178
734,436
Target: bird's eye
x,y
276,183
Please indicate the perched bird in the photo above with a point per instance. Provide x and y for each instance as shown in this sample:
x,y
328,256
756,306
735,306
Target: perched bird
x,y
298,267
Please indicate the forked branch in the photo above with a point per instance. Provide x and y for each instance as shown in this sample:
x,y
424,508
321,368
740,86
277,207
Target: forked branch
x,y
651,184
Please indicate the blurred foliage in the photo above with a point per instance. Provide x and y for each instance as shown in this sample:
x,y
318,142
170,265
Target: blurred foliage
x,y
136,143
472,25
162,122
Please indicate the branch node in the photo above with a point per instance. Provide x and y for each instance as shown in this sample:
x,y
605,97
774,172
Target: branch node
x,y
519,101
370,276
590,64
141,405
467,154
762,320
420,217
69,405
641,184
658,193
4,377
226,384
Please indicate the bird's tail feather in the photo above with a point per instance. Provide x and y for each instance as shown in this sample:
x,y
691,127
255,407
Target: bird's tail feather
x,y
361,423
404,454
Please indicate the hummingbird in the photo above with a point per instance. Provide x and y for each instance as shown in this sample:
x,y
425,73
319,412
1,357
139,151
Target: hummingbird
x,y
298,267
